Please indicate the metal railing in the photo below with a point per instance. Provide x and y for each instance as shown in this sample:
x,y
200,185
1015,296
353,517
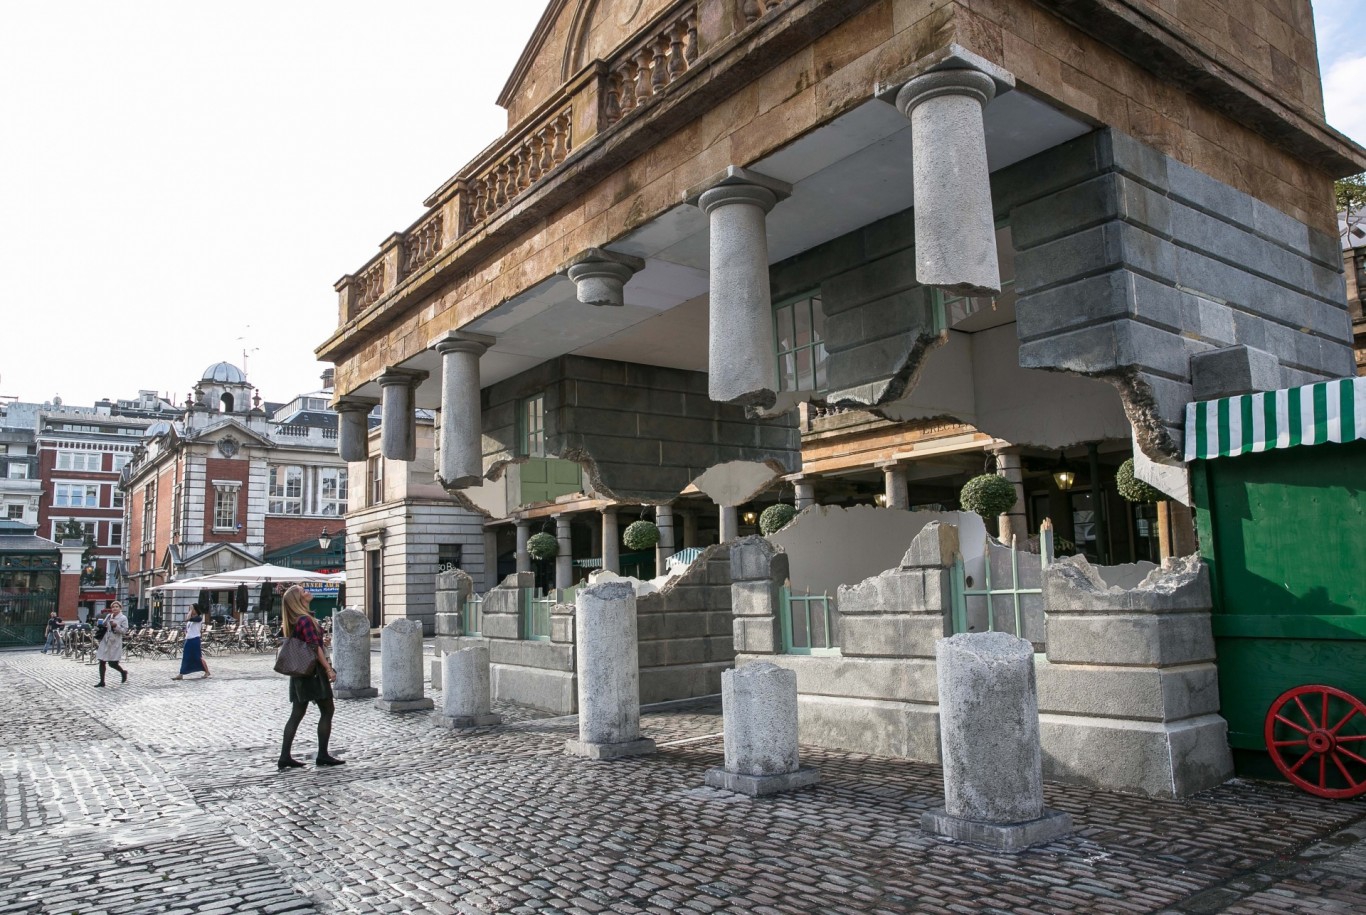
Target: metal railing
x,y
1012,593
536,616
808,623
472,615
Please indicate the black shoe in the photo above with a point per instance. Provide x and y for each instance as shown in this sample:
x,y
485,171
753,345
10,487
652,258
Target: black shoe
x,y
101,683
288,762
124,674
325,760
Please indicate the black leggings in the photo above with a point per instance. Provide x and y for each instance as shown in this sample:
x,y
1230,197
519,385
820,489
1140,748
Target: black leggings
x,y
116,666
296,716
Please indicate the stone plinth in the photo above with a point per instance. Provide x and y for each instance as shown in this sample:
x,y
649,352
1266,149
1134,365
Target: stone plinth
x,y
759,703
351,656
401,682
465,689
989,729
609,673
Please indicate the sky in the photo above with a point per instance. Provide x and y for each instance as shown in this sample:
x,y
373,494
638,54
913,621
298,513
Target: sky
x,y
182,183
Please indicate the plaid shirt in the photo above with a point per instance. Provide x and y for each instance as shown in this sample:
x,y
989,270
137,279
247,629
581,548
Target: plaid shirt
x,y
306,630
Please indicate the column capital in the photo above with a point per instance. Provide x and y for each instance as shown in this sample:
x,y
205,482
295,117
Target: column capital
x,y
459,341
601,275
738,185
393,375
970,83
955,69
354,405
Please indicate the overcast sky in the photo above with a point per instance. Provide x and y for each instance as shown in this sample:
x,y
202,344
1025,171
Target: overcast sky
x,y
181,183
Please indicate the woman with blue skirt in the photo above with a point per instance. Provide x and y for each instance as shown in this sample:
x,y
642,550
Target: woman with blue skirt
x,y
192,661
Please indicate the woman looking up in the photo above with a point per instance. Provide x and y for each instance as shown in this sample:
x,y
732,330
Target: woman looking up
x,y
298,622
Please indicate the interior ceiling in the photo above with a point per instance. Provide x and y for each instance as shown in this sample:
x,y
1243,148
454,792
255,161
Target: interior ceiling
x,y
847,174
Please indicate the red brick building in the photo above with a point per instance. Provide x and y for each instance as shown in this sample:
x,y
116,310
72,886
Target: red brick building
x,y
228,484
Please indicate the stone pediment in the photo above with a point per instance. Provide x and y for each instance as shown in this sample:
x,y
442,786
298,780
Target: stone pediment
x,y
231,436
570,35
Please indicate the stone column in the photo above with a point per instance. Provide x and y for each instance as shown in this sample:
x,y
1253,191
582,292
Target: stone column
x,y
894,487
351,656
664,520
601,275
730,523
989,730
805,494
759,711
401,682
609,673
523,535
465,689
742,364
689,527
353,430
564,559
1012,524
611,541
955,227
462,435
398,429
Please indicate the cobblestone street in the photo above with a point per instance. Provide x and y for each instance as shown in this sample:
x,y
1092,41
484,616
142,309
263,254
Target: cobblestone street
x,y
158,796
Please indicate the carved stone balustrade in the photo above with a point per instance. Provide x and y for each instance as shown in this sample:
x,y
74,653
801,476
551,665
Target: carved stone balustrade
x,y
521,166
646,68
421,243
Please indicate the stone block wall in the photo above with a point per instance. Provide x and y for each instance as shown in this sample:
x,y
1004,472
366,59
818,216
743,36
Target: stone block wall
x,y
1129,691
684,634
642,432
879,695
1128,263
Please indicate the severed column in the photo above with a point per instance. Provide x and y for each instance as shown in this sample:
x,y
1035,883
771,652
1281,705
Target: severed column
x,y
353,430
608,665
564,558
398,431
462,434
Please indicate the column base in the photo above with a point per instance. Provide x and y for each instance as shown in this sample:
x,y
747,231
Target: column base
x,y
404,705
456,722
592,750
1008,837
761,785
363,692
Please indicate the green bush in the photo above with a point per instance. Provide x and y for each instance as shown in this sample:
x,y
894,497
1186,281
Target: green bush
x,y
640,535
1134,489
542,546
988,495
775,518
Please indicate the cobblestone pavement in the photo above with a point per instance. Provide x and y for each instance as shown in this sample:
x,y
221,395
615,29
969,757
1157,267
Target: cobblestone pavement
x,y
157,796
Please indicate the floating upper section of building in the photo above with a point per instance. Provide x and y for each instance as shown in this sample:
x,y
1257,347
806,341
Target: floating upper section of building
x,y
1032,216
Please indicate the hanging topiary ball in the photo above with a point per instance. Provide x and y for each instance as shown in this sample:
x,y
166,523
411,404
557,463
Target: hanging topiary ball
x,y
775,518
988,495
1134,489
542,546
640,535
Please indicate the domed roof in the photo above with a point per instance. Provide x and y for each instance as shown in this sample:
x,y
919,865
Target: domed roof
x,y
224,373
158,428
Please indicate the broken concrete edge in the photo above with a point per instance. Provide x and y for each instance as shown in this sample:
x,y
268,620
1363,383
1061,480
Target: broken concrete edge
x,y
761,785
1072,585
1003,837
606,751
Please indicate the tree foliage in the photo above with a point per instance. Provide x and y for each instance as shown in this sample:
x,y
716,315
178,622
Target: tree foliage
x,y
542,546
1351,195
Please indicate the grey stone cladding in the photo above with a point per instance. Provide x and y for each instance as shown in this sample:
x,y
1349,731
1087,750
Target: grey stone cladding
x,y
642,432
1127,264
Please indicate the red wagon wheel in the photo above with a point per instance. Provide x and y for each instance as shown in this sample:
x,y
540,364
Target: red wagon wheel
x,y
1316,736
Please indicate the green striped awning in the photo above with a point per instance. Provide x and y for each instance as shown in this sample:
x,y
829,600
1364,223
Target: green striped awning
x,y
1330,411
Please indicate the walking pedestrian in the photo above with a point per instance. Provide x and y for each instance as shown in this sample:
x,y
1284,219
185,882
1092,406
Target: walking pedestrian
x,y
192,658
110,651
51,641
299,623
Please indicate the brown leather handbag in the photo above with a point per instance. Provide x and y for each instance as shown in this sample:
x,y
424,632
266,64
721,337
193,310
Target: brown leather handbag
x,y
297,658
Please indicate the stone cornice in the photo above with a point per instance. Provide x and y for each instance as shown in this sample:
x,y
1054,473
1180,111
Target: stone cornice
x,y
1209,75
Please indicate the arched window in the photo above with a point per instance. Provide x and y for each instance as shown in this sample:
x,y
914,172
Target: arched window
x,y
226,402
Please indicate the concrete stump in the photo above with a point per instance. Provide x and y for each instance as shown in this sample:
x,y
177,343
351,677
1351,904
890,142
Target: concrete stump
x,y
351,656
401,687
435,668
465,689
989,728
759,707
609,673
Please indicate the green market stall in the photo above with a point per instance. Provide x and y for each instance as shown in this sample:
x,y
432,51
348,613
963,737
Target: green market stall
x,y
1279,484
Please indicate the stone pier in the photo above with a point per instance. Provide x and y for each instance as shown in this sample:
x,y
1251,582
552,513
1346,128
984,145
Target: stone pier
x,y
462,455
351,656
759,705
608,673
989,730
398,427
465,689
401,681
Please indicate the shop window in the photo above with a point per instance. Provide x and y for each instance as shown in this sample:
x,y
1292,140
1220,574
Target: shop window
x,y
799,337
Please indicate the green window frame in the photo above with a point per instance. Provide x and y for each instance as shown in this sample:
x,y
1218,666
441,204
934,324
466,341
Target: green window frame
x,y
531,426
808,623
799,342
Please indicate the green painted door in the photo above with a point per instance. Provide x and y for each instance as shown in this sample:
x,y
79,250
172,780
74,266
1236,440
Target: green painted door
x,y
1284,533
546,479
